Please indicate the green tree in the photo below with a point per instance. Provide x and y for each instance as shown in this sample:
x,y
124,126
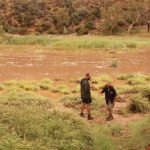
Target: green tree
x,y
111,13
134,11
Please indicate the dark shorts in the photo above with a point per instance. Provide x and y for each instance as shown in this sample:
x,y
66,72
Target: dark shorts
x,y
110,103
86,101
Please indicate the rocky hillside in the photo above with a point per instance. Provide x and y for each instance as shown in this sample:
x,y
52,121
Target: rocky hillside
x,y
70,16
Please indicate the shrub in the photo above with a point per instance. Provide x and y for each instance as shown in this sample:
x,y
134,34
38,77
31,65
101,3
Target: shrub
x,y
89,25
71,101
83,12
60,89
2,32
45,84
138,104
52,31
96,12
82,31
145,91
125,76
65,31
125,89
102,79
136,80
114,64
1,87
75,101
24,100
124,111
28,86
10,83
76,89
140,134
131,45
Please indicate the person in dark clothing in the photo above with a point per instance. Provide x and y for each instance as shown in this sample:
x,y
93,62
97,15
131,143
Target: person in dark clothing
x,y
110,94
86,96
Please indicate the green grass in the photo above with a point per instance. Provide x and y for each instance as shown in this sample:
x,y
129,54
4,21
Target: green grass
x,y
26,123
45,84
114,64
2,87
125,76
134,79
140,134
27,40
82,42
74,102
138,103
29,121
62,89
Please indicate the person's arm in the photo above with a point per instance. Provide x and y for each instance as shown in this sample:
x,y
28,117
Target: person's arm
x,y
102,90
115,93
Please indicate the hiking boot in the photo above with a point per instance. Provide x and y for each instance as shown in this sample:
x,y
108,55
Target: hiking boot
x,y
82,115
109,118
90,118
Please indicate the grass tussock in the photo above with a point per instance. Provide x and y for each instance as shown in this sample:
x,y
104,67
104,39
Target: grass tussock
x,y
99,81
140,134
62,89
75,101
139,104
134,79
45,84
25,124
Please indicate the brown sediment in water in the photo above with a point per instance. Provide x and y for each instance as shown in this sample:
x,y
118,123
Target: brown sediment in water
x,y
67,65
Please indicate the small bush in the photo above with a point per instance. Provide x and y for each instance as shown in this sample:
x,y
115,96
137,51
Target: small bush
x,y
76,89
136,80
28,86
124,111
114,64
2,87
145,91
45,84
116,130
138,104
89,25
131,45
75,101
52,31
71,101
140,134
10,83
24,99
125,89
82,31
102,79
125,76
63,89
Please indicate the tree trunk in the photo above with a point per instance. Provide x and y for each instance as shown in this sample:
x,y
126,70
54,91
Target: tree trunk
x,y
148,26
133,22
130,27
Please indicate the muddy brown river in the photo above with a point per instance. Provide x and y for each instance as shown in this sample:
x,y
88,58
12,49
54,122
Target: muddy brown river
x,y
64,65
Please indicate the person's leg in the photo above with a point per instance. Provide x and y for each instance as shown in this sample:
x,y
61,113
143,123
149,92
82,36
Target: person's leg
x,y
110,112
109,108
82,109
89,111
